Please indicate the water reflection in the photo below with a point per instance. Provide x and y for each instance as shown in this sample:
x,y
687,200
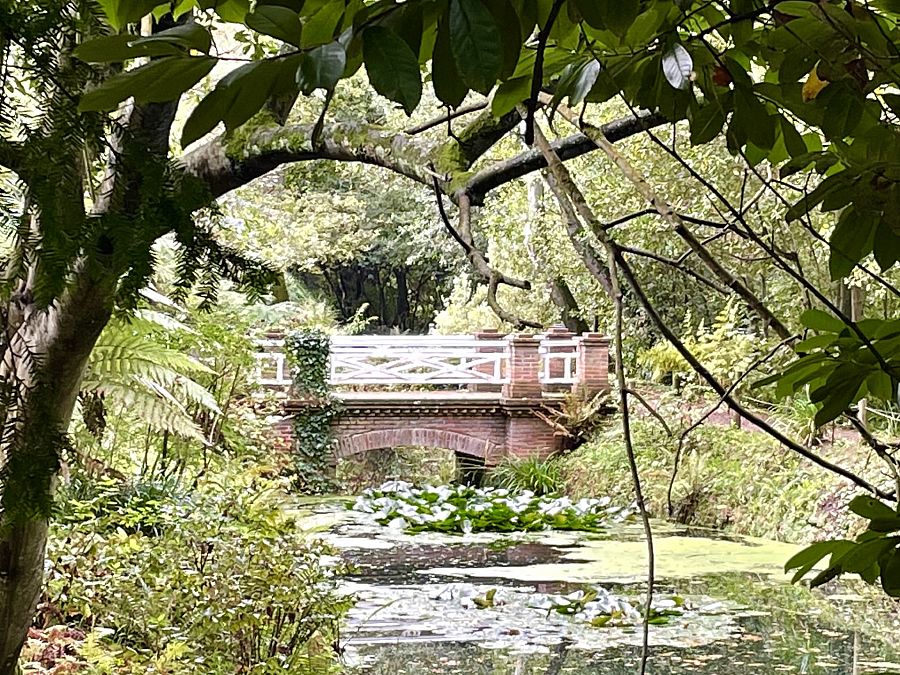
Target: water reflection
x,y
761,625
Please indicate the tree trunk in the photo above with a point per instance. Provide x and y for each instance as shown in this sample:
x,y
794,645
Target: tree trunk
x,y
402,299
21,577
63,337
562,297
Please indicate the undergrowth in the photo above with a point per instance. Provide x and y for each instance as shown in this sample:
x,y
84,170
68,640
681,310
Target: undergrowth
x,y
730,478
218,579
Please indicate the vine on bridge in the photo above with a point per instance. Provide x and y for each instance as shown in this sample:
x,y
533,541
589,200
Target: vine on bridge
x,y
307,353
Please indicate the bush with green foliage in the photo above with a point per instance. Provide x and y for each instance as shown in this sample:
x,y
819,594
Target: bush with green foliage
x,y
726,347
732,478
218,579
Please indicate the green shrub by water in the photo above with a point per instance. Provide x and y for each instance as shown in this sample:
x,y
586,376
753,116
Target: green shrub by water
x,y
216,580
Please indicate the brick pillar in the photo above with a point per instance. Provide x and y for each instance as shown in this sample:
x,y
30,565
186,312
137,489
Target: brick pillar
x,y
592,365
524,367
557,366
488,368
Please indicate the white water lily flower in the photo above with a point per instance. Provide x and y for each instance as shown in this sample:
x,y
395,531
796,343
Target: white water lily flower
x,y
397,524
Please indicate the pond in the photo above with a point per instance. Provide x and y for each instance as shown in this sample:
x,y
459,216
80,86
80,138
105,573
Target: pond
x,y
419,595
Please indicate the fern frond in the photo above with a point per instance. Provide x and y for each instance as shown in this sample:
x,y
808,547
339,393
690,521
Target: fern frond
x,y
160,413
132,367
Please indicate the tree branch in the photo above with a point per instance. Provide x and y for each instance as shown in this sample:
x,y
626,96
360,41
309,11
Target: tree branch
x,y
500,173
677,224
443,119
479,261
571,192
677,264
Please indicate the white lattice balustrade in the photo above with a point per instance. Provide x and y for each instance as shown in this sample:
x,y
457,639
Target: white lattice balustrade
x,y
421,360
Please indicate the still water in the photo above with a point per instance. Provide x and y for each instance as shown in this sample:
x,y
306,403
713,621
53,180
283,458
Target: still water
x,y
416,613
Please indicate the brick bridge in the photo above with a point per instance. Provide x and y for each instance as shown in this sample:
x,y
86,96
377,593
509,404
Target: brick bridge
x,y
476,395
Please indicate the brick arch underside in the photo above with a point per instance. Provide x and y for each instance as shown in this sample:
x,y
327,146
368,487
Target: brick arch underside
x,y
354,444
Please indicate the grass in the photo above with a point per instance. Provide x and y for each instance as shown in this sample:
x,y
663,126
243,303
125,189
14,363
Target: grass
x,y
541,476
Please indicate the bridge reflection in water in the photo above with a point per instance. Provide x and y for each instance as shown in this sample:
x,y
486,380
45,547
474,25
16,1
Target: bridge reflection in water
x,y
480,395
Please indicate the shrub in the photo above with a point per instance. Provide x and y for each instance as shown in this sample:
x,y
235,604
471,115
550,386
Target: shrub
x,y
222,582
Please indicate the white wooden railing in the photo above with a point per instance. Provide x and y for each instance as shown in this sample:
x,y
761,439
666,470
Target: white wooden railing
x,y
421,359
271,368
418,360
558,359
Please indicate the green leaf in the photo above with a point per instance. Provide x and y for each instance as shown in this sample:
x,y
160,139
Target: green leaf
x,y
392,66
843,110
155,82
880,386
808,202
871,508
851,241
276,21
448,86
207,114
320,26
592,11
838,393
510,94
862,556
706,123
255,83
583,82
188,36
806,559
677,66
322,67
120,13
804,371
886,245
505,15
232,11
620,15
793,141
816,319
475,44
238,96
115,48
890,572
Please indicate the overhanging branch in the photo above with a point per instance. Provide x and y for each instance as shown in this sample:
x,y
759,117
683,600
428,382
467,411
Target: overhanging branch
x,y
500,173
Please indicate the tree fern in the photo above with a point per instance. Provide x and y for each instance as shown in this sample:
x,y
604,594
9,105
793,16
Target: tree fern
x,y
131,367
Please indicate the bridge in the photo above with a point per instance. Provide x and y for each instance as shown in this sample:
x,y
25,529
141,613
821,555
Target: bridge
x,y
484,396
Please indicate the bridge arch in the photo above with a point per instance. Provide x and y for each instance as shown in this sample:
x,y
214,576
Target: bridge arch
x,y
463,444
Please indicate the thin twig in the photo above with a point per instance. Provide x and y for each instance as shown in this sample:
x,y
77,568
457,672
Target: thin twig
x,y
653,411
632,460
443,119
560,173
734,385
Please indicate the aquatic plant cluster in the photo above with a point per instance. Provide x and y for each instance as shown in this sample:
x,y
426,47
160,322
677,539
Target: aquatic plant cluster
x,y
599,607
464,509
